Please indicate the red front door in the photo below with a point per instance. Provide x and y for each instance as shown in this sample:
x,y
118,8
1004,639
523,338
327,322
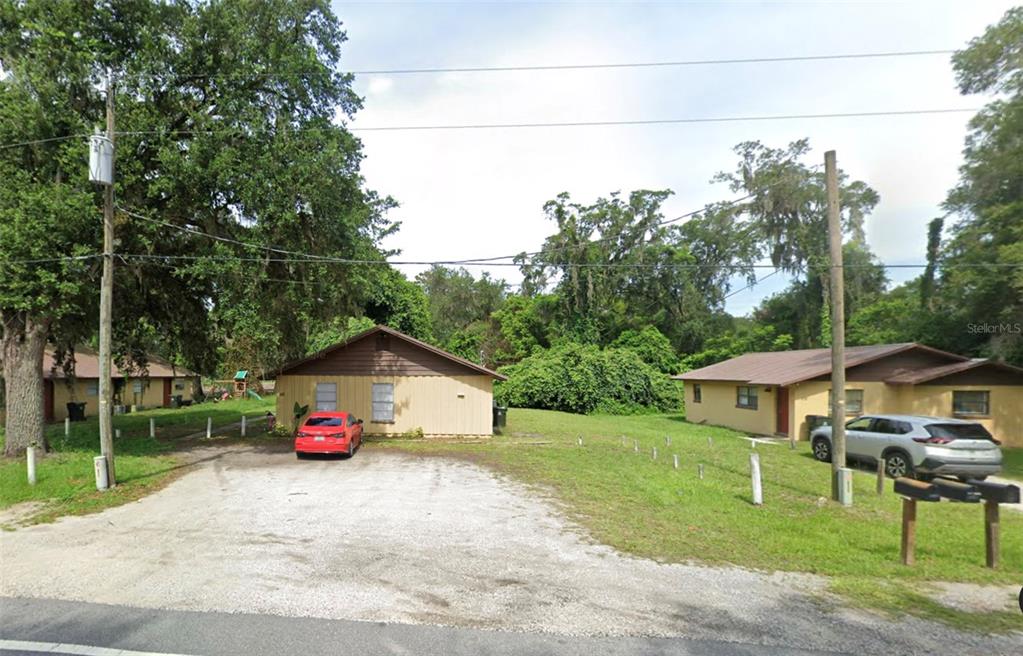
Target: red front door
x,y
48,400
166,392
782,410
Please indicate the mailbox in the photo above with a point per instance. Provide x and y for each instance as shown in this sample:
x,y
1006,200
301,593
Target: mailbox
x,y
956,491
915,489
997,492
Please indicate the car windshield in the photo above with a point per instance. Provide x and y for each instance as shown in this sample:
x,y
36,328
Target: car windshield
x,y
959,431
325,421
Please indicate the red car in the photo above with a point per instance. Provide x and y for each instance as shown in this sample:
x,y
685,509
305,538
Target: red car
x,y
328,432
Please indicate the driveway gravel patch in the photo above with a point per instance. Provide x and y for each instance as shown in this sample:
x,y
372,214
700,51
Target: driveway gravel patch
x,y
391,537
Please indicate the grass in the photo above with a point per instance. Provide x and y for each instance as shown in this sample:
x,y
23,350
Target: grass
x,y
65,480
1012,463
645,507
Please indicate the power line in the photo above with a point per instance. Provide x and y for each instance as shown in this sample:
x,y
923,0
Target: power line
x,y
50,260
751,285
656,64
660,121
553,124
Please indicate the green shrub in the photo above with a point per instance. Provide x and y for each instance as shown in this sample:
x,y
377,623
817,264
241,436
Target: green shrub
x,y
414,433
584,379
652,346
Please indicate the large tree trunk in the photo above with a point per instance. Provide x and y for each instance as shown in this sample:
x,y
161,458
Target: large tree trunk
x,y
23,343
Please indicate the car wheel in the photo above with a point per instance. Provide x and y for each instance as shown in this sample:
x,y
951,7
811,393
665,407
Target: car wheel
x,y
300,455
897,464
967,479
351,448
822,450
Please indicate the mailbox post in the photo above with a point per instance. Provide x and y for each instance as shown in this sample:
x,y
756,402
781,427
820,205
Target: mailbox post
x,y
994,494
912,491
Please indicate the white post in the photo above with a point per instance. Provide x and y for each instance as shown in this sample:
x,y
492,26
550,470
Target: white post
x,y
99,463
654,453
754,468
243,425
152,427
30,454
667,440
67,426
209,427
623,441
700,469
117,433
710,441
753,443
635,446
676,461
580,440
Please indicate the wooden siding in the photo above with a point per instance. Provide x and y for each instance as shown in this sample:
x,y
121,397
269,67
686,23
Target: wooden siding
x,y
381,354
884,368
448,405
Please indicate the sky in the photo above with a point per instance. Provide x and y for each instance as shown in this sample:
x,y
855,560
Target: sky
x,y
478,193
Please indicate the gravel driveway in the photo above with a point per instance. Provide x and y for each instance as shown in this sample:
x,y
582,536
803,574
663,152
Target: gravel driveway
x,y
396,538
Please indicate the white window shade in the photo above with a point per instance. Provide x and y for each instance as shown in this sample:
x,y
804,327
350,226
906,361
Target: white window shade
x,y
383,402
326,396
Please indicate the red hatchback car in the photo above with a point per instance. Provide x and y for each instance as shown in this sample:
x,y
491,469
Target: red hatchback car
x,y
328,432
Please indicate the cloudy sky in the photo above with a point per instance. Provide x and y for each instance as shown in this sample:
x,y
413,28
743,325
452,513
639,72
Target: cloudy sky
x,y
476,193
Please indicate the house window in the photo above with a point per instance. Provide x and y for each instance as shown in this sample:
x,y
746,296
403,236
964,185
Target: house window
x,y
853,401
179,386
383,402
746,397
971,403
92,388
697,393
136,387
326,396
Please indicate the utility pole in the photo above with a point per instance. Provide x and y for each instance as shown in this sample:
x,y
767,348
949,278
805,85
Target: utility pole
x,y
106,392
841,476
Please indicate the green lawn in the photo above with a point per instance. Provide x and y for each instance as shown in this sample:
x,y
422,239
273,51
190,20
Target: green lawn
x,y
1012,463
645,507
66,483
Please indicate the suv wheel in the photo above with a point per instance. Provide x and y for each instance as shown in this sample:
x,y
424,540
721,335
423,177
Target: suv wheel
x,y
822,449
897,464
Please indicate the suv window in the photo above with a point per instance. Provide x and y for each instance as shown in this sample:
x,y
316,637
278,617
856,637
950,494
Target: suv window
x,y
863,423
891,427
959,431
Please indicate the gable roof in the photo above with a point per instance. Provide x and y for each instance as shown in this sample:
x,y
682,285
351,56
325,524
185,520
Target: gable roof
x,y
319,355
788,367
87,366
932,373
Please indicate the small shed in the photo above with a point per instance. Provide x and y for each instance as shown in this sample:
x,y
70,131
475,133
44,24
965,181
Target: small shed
x,y
394,382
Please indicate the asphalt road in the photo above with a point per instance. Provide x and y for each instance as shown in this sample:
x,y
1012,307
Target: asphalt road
x,y
62,627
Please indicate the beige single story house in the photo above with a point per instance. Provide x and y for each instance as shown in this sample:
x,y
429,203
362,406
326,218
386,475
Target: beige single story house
x,y
394,383
151,389
774,393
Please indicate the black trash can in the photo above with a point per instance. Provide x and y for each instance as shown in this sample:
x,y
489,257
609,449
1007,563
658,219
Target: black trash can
x,y
175,401
813,422
76,411
500,416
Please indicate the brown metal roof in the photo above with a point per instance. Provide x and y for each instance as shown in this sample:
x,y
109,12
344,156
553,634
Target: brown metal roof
x,y
87,366
400,335
788,367
931,373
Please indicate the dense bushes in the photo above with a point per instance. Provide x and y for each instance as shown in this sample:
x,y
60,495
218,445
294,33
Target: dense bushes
x,y
584,379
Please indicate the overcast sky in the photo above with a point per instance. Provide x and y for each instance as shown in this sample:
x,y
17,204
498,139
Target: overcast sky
x,y
475,193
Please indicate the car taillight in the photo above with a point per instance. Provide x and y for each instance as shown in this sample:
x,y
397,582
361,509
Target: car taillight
x,y
932,440
337,435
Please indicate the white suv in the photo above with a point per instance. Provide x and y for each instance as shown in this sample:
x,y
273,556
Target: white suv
x,y
913,445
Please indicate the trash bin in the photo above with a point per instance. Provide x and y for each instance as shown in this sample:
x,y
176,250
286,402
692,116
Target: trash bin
x,y
813,422
500,416
175,401
76,411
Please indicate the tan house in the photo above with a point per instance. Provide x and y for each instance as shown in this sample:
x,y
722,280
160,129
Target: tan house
x,y
151,389
394,383
774,393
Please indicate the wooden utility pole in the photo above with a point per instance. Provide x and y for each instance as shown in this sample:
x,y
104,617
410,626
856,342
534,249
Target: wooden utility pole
x,y
839,487
106,419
